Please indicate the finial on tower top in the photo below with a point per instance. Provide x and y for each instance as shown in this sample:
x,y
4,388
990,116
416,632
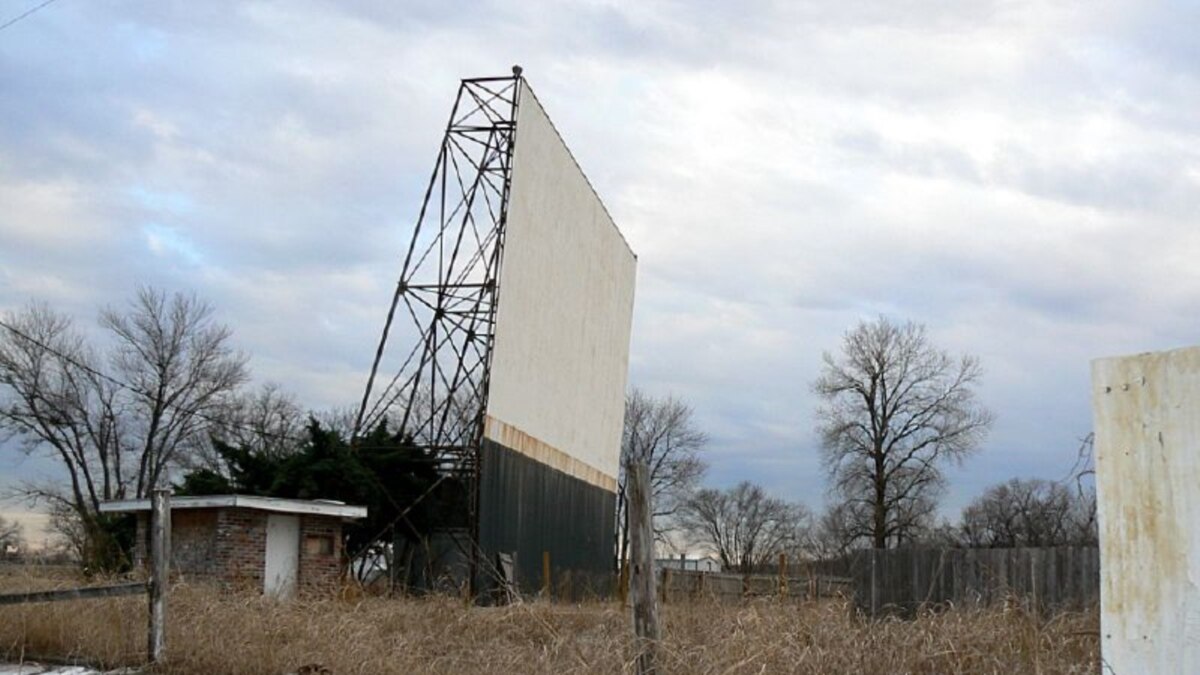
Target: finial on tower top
x,y
517,71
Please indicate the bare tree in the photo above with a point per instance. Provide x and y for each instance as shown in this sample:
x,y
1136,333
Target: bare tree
x,y
895,410
115,435
1030,512
1084,526
178,362
831,535
54,401
340,420
662,433
80,537
743,526
840,529
267,421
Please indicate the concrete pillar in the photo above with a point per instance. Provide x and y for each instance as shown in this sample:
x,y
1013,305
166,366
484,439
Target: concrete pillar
x,y
1147,425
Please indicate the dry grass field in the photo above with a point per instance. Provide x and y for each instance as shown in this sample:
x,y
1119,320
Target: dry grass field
x,y
215,632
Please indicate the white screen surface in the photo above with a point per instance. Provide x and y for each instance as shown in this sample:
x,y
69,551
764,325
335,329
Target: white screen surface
x,y
563,320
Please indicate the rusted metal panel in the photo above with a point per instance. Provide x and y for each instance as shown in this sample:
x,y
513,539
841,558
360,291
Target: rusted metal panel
x,y
1147,425
528,508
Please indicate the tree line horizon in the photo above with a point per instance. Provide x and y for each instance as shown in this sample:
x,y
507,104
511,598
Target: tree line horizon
x,y
166,401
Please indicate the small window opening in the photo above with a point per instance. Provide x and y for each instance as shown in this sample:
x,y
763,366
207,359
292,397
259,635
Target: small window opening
x,y
318,544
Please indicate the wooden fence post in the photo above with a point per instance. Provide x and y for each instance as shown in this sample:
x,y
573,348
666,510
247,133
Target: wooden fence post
x,y
623,584
1035,600
547,589
645,600
874,584
783,575
160,559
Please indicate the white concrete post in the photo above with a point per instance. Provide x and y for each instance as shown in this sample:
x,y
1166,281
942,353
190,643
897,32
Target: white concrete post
x,y
1147,444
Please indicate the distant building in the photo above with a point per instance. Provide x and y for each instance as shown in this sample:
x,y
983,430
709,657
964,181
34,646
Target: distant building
x,y
277,545
704,564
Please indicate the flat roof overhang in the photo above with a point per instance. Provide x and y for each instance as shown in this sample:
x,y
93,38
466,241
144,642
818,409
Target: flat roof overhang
x,y
314,507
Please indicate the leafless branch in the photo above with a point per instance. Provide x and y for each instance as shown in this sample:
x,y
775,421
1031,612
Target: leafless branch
x,y
895,410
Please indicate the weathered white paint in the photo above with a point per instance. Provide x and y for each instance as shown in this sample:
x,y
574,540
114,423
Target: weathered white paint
x,y
1147,424
301,506
554,458
565,309
282,556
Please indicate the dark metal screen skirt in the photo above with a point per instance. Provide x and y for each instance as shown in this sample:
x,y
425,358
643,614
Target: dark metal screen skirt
x,y
527,509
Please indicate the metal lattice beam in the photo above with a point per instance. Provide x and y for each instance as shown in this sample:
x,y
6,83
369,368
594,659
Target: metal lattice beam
x,y
443,311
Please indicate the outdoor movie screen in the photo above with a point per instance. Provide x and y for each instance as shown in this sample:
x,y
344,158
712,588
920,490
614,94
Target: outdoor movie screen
x,y
564,312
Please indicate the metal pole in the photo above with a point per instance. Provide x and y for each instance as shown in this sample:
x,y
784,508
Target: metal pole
x,y
160,559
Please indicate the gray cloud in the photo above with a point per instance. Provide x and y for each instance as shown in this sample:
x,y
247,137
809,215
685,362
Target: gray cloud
x,y
1019,176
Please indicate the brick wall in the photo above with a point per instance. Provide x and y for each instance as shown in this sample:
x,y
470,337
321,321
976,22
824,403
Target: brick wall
x,y
320,553
230,545
193,543
141,541
241,546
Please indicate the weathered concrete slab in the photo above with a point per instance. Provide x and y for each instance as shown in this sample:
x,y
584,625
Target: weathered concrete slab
x,y
1147,424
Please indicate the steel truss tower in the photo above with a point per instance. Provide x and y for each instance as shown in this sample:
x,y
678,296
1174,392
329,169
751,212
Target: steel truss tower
x,y
444,309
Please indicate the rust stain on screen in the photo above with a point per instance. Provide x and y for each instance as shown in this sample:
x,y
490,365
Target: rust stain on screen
x,y
519,441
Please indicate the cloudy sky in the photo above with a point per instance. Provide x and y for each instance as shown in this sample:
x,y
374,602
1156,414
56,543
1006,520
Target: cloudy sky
x,y
1021,177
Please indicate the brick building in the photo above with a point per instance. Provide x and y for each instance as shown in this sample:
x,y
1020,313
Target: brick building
x,y
278,545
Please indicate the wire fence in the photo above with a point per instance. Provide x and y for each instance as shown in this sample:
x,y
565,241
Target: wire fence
x,y
155,588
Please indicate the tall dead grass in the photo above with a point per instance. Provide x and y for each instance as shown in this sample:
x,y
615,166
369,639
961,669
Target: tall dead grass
x,y
215,632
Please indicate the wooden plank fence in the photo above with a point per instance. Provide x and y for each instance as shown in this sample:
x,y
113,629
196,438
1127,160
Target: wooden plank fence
x,y
684,585
903,580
